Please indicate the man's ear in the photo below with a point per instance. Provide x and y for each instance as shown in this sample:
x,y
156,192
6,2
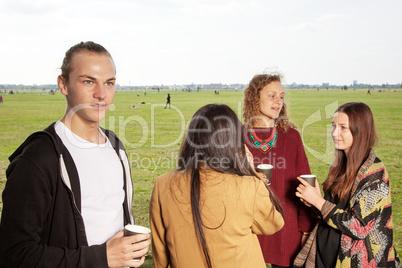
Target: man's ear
x,y
61,83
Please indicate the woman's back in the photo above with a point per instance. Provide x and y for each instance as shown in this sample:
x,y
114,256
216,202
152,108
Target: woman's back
x,y
234,209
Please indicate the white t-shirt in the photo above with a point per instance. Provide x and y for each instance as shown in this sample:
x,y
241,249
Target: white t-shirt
x,y
101,181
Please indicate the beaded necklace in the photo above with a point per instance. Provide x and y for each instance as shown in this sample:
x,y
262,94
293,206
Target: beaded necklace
x,y
264,145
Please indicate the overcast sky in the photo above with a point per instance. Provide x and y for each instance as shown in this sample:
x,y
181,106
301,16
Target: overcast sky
x,y
156,42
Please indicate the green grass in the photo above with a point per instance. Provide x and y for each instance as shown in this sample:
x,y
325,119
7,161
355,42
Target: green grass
x,y
152,134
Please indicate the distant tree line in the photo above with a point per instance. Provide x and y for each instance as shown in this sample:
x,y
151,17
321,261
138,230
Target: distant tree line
x,y
20,86
343,87
209,86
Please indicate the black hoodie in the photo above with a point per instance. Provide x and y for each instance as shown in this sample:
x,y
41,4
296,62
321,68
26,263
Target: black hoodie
x,y
41,223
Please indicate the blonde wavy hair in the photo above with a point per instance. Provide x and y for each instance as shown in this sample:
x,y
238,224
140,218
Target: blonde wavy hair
x,y
251,110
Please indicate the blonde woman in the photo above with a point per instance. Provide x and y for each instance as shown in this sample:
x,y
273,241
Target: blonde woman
x,y
273,139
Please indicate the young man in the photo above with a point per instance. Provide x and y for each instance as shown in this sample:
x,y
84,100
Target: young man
x,y
69,191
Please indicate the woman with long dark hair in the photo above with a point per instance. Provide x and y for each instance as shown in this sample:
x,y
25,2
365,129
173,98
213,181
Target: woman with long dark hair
x,y
273,139
207,212
356,210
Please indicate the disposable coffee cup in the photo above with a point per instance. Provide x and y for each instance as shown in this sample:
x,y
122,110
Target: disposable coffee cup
x,y
130,230
309,178
265,169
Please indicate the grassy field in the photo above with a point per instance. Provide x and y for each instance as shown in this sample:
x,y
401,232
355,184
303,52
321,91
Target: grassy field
x,y
152,134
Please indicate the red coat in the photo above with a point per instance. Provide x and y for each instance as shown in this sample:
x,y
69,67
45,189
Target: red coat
x,y
289,161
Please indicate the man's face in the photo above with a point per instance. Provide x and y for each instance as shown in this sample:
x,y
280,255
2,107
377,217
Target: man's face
x,y
91,87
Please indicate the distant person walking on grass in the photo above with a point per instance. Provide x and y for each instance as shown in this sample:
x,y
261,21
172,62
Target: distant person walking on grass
x,y
69,190
1,99
167,101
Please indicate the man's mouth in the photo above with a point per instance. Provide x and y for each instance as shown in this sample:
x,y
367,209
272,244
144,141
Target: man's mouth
x,y
99,106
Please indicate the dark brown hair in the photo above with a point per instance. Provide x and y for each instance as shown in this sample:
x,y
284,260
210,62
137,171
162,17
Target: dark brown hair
x,y
214,138
88,46
344,169
251,110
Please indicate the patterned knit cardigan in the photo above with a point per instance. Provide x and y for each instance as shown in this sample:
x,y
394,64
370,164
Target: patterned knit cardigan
x,y
366,225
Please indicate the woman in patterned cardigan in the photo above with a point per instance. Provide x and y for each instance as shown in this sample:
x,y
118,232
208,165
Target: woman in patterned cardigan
x,y
356,228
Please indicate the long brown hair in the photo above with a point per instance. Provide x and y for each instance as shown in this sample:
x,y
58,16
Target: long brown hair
x,y
214,138
344,169
251,110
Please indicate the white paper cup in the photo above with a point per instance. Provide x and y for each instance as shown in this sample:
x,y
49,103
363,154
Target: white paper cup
x,y
309,178
130,230
265,169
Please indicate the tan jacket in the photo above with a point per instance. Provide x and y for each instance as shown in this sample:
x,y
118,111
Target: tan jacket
x,y
234,208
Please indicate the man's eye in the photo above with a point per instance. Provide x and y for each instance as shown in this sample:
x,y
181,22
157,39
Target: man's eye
x,y
88,82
